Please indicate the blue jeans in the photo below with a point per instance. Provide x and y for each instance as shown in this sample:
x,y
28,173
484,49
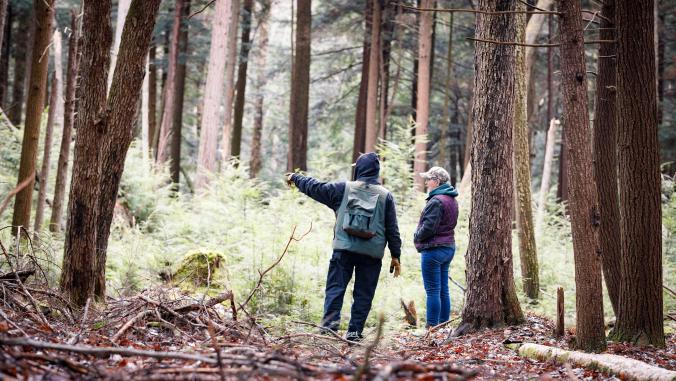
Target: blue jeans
x,y
366,273
435,262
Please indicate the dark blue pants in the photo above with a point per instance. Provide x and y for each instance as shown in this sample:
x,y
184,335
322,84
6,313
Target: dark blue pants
x,y
366,271
435,262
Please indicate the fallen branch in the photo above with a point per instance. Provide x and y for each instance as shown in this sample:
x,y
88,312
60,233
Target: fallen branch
x,y
128,324
623,367
415,367
364,367
13,192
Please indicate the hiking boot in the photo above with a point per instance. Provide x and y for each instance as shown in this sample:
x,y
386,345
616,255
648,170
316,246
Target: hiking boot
x,y
354,337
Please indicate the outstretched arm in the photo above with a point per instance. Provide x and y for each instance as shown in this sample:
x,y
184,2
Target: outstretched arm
x,y
329,194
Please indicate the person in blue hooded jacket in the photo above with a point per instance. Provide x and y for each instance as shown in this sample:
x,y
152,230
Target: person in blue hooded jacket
x,y
434,238
366,221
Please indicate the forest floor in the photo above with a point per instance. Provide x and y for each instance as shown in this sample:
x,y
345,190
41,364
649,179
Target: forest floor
x,y
164,334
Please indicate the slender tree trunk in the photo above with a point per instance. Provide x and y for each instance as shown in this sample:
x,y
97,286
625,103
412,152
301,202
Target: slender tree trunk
x,y
122,9
176,134
169,91
444,157
360,114
152,101
4,19
371,136
387,36
300,89
584,212
423,95
414,80
213,93
521,156
546,175
145,139
261,80
21,58
52,124
491,299
229,79
4,59
640,313
78,276
68,121
121,108
236,141
605,156
44,13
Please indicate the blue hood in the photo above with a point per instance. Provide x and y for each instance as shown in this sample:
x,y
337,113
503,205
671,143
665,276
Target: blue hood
x,y
367,168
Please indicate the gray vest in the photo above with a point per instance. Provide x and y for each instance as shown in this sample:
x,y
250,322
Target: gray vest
x,y
365,202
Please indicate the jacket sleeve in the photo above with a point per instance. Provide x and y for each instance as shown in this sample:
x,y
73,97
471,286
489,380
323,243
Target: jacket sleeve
x,y
329,194
429,222
392,227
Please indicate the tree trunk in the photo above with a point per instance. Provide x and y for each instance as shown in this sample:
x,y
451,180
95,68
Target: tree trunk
x,y
152,101
546,175
122,9
145,139
177,125
491,299
3,20
640,316
68,120
231,38
444,157
423,94
236,140
583,206
121,109
387,35
371,135
521,156
79,259
21,58
360,114
605,156
213,93
44,13
261,79
52,124
300,89
4,59
169,92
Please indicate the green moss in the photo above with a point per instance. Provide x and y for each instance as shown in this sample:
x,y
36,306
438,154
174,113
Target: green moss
x,y
199,268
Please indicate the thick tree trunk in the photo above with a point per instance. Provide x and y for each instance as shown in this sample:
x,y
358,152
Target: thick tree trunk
x,y
4,59
236,140
120,116
79,258
360,114
261,79
524,212
177,125
491,297
152,101
640,316
300,89
169,92
605,156
546,175
44,13
122,9
371,136
231,38
25,20
423,94
68,121
213,93
583,206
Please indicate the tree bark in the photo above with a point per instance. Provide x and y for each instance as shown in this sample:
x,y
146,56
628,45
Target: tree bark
x,y
444,157
521,155
122,9
152,101
213,93
169,92
259,84
300,89
640,316
360,114
423,94
4,59
491,297
68,121
371,135
3,20
231,38
236,141
145,139
44,13
583,206
25,20
386,38
546,175
605,156
177,125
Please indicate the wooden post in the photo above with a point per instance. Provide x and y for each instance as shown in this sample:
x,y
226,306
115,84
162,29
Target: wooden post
x,y
560,313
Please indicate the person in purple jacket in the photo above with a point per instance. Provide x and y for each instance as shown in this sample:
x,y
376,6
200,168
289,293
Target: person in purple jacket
x,y
434,239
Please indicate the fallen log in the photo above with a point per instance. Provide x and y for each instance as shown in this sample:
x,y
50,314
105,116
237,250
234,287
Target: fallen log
x,y
620,366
